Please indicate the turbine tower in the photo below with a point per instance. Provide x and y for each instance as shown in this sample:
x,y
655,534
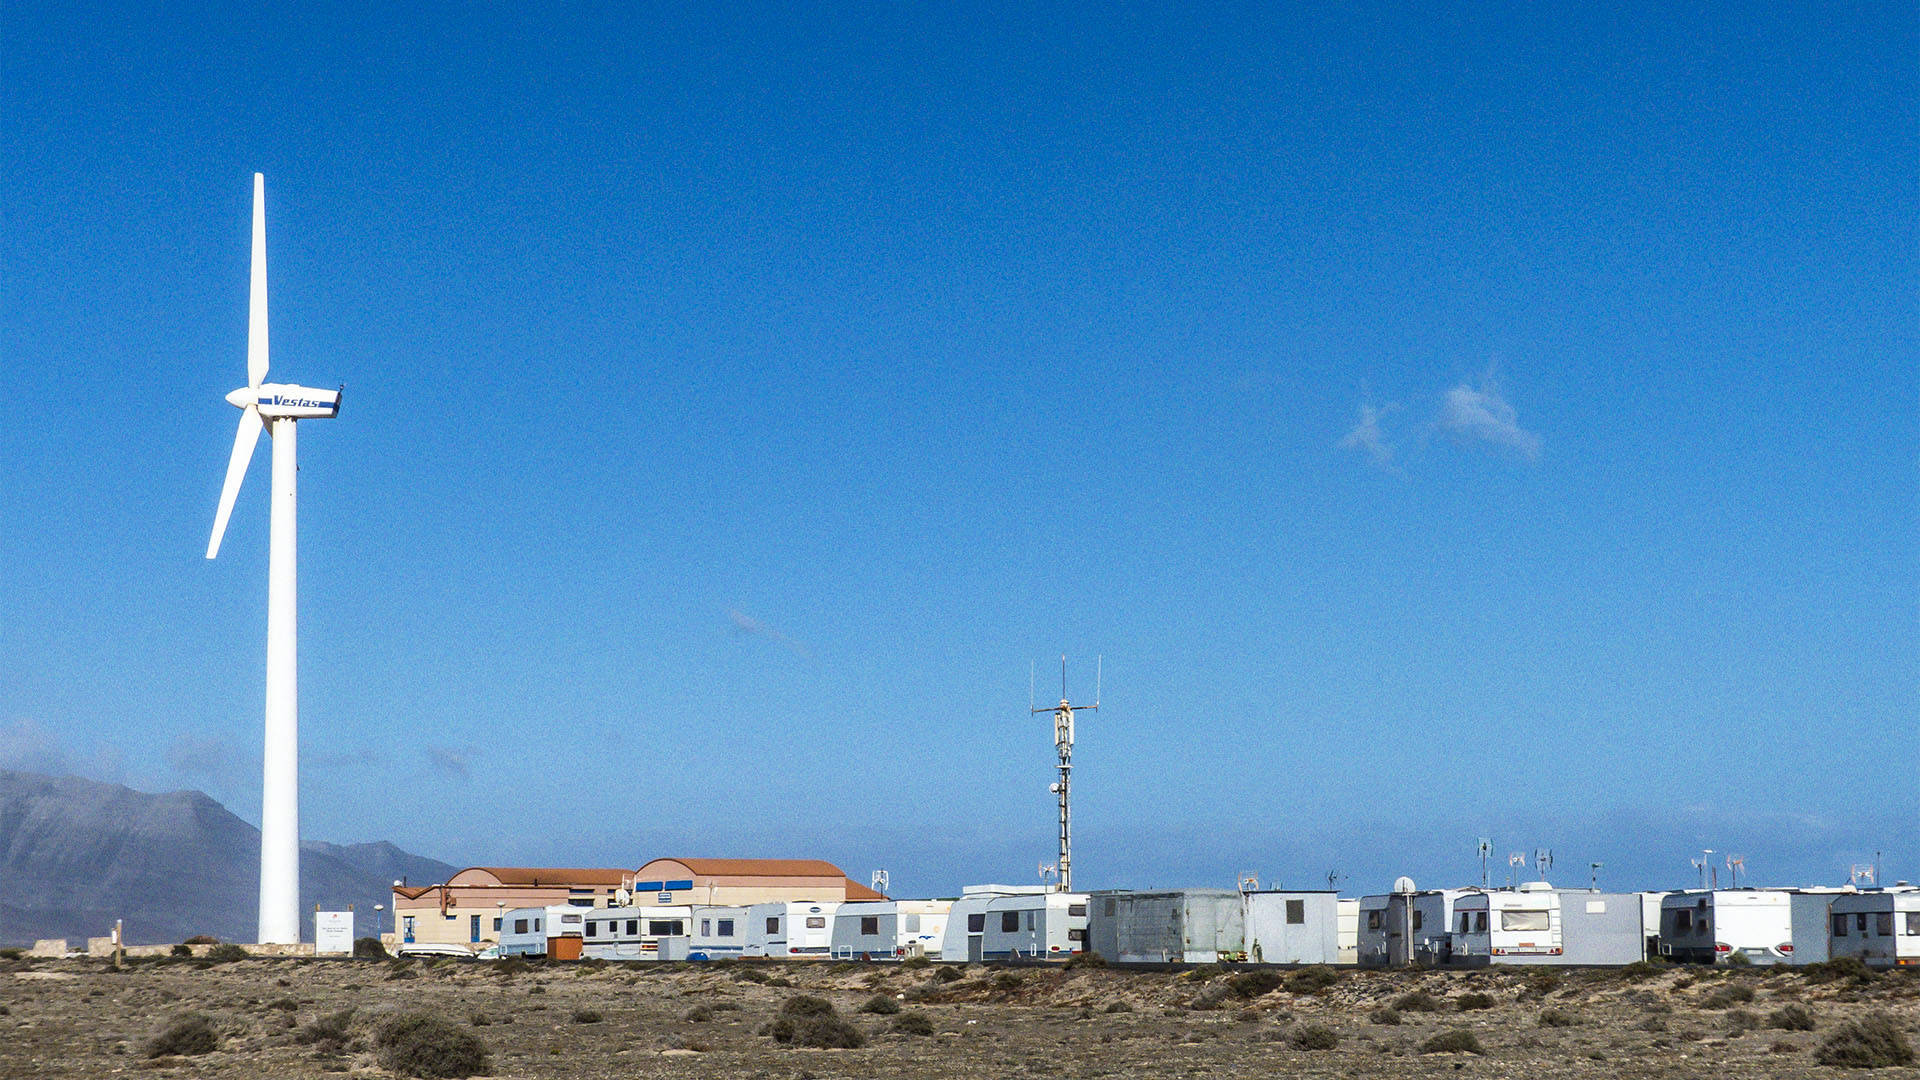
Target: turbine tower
x,y
276,407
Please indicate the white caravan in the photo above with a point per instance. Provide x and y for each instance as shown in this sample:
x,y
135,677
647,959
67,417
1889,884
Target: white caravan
x,y
791,930
632,933
1043,926
530,931
1880,926
1711,926
717,933
1523,922
889,929
966,935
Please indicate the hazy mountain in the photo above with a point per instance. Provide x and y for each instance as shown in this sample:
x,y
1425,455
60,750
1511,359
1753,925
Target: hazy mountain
x,y
77,854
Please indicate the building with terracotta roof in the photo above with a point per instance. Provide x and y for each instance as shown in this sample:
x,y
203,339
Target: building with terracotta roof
x,y
466,909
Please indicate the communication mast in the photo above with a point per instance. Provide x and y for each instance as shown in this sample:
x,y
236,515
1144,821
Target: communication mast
x,y
1063,744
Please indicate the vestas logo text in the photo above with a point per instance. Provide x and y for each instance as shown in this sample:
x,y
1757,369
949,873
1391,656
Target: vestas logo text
x,y
296,403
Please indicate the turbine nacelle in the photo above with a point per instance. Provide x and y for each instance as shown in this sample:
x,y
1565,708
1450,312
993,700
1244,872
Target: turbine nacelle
x,y
285,400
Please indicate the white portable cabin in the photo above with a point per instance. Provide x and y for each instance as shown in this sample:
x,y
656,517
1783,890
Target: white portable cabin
x,y
1349,931
1880,926
526,931
717,933
965,939
1042,926
889,929
1808,910
1179,926
1709,926
1292,927
633,933
791,930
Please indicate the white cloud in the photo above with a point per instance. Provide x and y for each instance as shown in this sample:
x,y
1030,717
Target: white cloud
x,y
1367,436
1485,416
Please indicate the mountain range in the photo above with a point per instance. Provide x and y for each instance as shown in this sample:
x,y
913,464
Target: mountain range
x,y
76,854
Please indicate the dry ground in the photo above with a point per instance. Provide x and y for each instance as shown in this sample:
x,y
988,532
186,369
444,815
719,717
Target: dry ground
x,y
80,1018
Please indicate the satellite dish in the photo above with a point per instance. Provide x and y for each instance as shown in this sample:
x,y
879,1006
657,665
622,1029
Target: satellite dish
x,y
1403,884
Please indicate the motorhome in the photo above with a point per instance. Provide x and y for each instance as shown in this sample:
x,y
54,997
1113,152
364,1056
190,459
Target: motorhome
x,y
552,931
791,929
1879,926
633,933
1043,926
1711,926
889,929
1292,927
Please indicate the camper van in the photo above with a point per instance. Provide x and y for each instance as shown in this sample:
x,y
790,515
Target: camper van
x,y
790,930
889,929
1044,926
553,931
1880,926
1710,926
634,933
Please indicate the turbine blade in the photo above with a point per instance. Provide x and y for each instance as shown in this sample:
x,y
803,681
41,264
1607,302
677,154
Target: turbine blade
x,y
243,441
257,292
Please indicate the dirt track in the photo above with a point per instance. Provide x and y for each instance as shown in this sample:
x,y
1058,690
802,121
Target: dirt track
x,y
78,1018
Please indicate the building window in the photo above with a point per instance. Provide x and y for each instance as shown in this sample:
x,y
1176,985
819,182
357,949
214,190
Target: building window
x,y
584,901
726,927
1839,926
1076,911
977,922
1110,904
773,925
1296,912
496,925
869,925
406,927
816,922
519,926
1009,922
1883,924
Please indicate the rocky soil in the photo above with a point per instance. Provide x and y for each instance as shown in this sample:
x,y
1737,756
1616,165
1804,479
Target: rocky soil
x,y
84,1018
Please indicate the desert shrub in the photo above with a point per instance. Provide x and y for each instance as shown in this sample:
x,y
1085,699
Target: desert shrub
x,y
699,1014
1086,960
1312,980
285,1004
188,1034
369,948
421,1044
880,1005
948,974
1456,1041
329,1031
912,1023
1007,980
509,966
1740,1021
915,963
1739,960
806,1005
202,939
1733,994
1117,1007
226,953
180,950
1252,984
1558,1018
1542,983
4,1011
1313,1037
587,1016
480,1019
1782,1046
1387,1016
1845,967
1204,972
1417,1001
1872,1042
1211,997
1792,1017
1641,970
1653,1023
1471,1002
823,1030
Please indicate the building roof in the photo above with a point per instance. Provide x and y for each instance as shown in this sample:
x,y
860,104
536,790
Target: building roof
x,y
539,875
807,868
857,891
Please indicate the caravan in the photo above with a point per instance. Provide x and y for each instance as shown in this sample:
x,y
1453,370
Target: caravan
x,y
1711,926
790,929
636,933
1042,926
1880,926
553,931
889,929
717,933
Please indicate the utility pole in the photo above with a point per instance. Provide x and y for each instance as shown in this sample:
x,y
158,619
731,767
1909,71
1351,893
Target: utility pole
x,y
1063,745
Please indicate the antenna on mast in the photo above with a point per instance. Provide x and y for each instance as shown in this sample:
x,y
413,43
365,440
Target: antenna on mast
x,y
1063,746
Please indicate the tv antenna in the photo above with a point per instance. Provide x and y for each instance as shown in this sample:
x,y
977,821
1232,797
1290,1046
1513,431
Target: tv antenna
x,y
1735,864
1063,744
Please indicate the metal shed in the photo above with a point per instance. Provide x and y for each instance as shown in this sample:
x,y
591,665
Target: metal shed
x,y
1193,926
1285,927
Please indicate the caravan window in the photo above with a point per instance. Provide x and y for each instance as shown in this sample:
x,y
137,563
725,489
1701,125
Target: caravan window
x,y
1883,924
1076,911
706,927
1913,924
726,927
1296,912
1373,920
1839,926
593,929
869,925
1466,922
977,922
1009,922
1109,908
633,927
1860,922
1682,920
1523,920
773,924
1480,922
665,928
816,922
567,920
1031,919
519,926
536,926
1417,919
1076,935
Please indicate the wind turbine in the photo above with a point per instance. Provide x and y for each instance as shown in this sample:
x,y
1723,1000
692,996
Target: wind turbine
x,y
276,407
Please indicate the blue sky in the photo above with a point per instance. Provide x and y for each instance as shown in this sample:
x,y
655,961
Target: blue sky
x,y
1445,420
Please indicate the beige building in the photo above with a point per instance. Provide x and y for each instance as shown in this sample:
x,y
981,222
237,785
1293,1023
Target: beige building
x,y
466,909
